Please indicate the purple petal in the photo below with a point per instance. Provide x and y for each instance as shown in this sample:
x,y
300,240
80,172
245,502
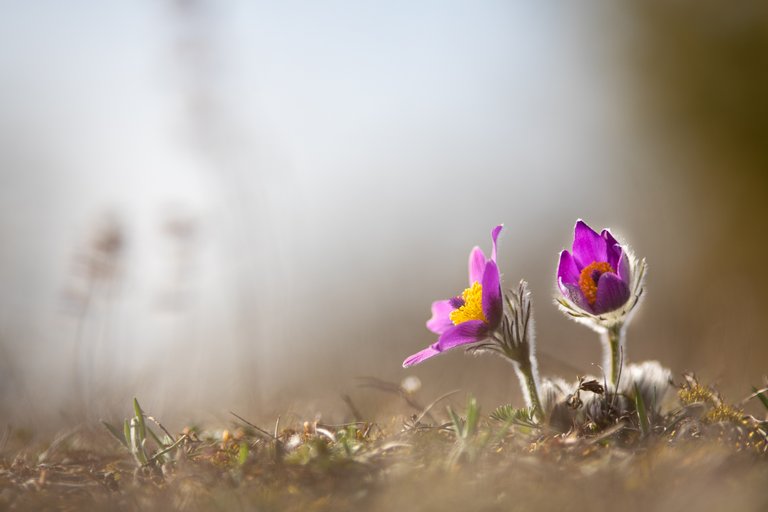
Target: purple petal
x,y
573,293
494,238
613,249
612,293
567,270
491,301
467,332
476,266
588,246
420,357
440,321
623,268
608,237
614,256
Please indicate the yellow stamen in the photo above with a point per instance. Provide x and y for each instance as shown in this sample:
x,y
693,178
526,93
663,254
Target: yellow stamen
x,y
588,279
473,305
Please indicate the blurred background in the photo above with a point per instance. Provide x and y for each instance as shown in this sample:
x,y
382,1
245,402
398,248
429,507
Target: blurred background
x,y
245,205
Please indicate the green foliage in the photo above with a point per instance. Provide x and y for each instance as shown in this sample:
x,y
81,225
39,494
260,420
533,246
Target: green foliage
x,y
468,444
127,433
347,438
137,435
121,438
513,415
134,438
142,428
642,413
465,429
242,454
761,396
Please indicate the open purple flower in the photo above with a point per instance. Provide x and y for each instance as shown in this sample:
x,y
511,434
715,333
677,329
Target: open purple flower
x,y
596,276
472,316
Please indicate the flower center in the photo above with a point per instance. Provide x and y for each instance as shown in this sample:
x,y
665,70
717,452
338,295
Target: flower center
x,y
588,279
472,309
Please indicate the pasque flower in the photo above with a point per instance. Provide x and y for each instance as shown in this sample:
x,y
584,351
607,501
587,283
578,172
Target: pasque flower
x,y
601,283
596,275
483,319
473,315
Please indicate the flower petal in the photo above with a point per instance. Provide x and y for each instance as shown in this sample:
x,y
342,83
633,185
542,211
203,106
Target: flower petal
x,y
567,270
476,265
494,238
465,333
440,321
612,293
420,356
491,301
606,233
623,269
573,293
588,246
613,249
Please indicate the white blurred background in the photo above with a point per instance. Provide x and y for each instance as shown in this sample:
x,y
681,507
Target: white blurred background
x,y
243,206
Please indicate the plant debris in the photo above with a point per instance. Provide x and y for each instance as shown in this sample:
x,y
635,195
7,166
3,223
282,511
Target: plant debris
x,y
699,454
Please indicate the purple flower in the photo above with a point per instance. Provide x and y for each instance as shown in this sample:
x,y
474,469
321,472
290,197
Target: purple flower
x,y
596,277
472,316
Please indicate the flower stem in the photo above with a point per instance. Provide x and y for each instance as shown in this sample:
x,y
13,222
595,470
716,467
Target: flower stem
x,y
529,382
613,352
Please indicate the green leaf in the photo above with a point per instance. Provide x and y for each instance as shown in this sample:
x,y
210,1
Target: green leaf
x,y
160,444
503,412
507,413
642,413
473,415
127,433
458,424
137,444
140,418
115,433
761,396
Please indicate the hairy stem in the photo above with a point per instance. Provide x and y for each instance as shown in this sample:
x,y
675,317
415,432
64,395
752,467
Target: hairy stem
x,y
613,352
529,382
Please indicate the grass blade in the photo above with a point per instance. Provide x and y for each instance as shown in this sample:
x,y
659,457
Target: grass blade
x,y
761,396
473,415
127,433
642,413
140,419
137,444
458,425
115,433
